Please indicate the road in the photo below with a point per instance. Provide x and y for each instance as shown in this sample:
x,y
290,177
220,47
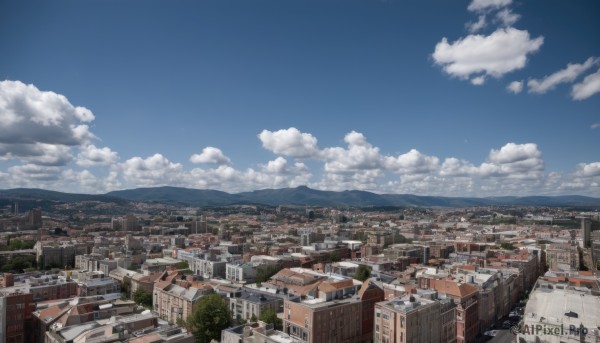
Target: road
x,y
503,336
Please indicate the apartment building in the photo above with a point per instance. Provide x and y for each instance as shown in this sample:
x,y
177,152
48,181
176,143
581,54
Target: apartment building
x,y
415,319
175,302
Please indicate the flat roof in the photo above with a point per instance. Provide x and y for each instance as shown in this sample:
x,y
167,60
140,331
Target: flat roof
x,y
549,306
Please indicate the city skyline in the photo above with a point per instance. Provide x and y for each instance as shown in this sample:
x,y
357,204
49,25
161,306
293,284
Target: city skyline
x,y
470,98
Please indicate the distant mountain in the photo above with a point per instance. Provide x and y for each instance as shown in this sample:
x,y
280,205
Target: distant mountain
x,y
42,194
187,196
299,196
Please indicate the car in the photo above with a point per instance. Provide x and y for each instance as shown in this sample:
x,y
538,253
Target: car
x,y
491,333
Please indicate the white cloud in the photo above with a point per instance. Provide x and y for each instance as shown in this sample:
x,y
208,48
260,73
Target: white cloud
x,y
360,155
477,25
210,155
515,87
480,5
514,161
454,167
569,74
588,169
478,81
412,162
595,126
506,17
91,156
155,170
588,87
40,126
290,142
503,51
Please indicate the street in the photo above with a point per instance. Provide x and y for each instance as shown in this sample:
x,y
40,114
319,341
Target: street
x,y
503,336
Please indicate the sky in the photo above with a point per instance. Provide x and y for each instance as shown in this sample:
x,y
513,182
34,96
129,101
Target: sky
x,y
452,98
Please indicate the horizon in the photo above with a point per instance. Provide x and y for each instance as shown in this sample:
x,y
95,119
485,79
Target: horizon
x,y
298,187
475,98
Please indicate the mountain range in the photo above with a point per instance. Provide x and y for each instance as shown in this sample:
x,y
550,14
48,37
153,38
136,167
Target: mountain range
x,y
299,196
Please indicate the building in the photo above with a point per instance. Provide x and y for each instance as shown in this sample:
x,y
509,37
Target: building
x,y
333,309
15,316
34,218
245,305
562,257
557,312
175,302
257,332
586,232
413,318
465,296
41,287
240,272
54,255
130,223
99,286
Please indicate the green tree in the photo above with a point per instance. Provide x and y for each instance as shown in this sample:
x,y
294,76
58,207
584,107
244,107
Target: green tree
x,y
507,246
362,273
209,318
270,316
264,273
126,286
335,257
143,298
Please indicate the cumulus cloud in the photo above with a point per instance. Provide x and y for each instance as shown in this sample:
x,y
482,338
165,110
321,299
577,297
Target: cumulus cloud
x,y
37,123
91,156
359,155
481,5
210,155
588,87
478,81
514,161
515,87
454,167
569,74
477,25
503,51
412,162
155,170
289,142
588,169
506,17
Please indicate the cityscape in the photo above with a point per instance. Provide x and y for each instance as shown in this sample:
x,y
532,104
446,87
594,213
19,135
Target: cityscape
x,y
245,171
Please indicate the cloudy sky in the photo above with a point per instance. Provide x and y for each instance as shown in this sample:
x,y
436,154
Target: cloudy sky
x,y
458,98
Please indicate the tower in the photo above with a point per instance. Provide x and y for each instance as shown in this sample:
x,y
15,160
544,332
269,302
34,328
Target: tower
x,y
586,231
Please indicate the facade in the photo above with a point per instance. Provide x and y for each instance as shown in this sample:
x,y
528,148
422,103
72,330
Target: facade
x,y
15,317
586,232
414,319
240,272
465,297
58,255
208,268
99,286
563,257
173,302
247,305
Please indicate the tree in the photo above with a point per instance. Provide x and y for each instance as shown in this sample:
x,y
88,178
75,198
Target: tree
x,y
362,273
264,273
507,246
335,257
143,298
270,316
209,318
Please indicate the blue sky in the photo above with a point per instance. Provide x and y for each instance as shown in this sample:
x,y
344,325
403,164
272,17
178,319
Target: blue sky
x,y
459,98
